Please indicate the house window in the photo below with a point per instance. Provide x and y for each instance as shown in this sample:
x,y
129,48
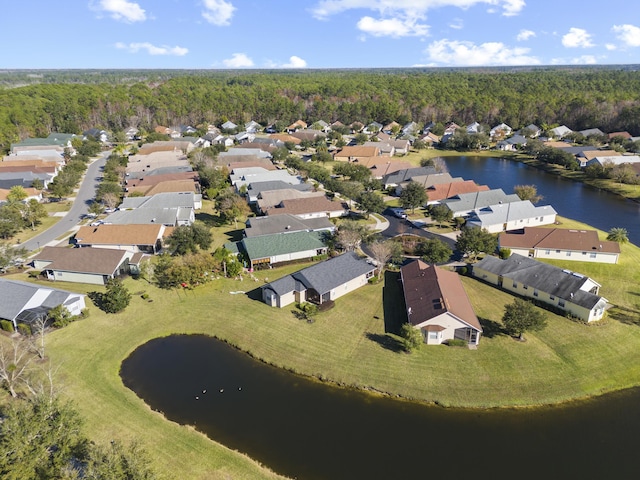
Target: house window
x,y
593,255
547,252
561,303
524,287
557,251
584,253
535,293
568,254
551,297
433,335
515,284
369,274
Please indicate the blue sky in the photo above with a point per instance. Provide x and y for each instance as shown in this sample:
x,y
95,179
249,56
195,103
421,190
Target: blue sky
x,y
316,33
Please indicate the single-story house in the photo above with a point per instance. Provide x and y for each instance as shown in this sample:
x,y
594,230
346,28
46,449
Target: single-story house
x,y
283,247
396,178
257,188
24,302
570,292
463,204
614,160
82,265
311,207
500,131
287,223
441,191
560,244
320,283
438,305
511,216
355,153
560,131
270,198
511,143
164,200
133,237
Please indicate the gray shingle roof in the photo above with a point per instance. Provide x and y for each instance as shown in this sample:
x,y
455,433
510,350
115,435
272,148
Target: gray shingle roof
x,y
405,175
324,276
257,226
16,295
544,277
470,201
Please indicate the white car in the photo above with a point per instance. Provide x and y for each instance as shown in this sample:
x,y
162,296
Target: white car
x,y
399,212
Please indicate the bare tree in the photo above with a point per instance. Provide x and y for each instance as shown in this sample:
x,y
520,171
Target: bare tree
x,y
350,235
382,253
110,200
14,364
38,330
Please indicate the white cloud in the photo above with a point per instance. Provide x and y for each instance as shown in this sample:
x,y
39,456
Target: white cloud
x,y
460,53
456,24
392,27
418,8
295,62
610,46
525,35
121,10
577,37
218,12
628,34
581,60
153,49
238,60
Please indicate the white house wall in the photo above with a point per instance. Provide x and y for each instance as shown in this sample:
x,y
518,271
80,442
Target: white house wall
x,y
350,286
571,255
92,278
445,320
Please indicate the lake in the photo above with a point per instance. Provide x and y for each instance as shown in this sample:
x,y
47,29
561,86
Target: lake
x,y
308,430
570,199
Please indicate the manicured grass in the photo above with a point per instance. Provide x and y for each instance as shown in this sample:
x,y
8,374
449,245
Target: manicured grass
x,y
349,345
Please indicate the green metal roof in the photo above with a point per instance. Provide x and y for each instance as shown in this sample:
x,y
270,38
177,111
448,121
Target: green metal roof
x,y
267,246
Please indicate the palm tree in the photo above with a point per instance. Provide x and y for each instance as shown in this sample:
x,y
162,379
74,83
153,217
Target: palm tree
x,y
618,234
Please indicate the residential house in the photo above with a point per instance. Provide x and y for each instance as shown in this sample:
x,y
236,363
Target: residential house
x,y
82,265
381,166
310,207
512,144
244,137
624,135
437,192
474,127
256,188
586,156
530,131
268,250
430,139
164,200
308,135
321,283
357,153
386,149
613,160
502,217
131,134
429,181
100,135
183,146
174,169
287,223
168,186
438,305
285,138
411,128
297,125
135,238
500,132
391,128
560,132
562,289
560,244
270,198
144,184
32,194
252,127
243,177
24,179
463,204
24,302
401,176
228,126
591,132
169,216
54,140
373,127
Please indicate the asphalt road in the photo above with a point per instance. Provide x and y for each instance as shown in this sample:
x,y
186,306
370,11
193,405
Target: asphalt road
x,y
398,226
79,209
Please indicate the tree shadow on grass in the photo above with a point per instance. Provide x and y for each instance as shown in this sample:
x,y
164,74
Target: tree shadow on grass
x,y
386,341
393,303
208,219
625,315
234,235
491,329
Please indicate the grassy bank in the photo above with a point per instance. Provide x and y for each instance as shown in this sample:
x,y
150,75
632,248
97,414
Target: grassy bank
x,y
349,346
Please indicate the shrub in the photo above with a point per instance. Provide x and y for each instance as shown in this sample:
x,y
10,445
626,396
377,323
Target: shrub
x,y
24,329
6,325
456,342
463,270
145,296
504,253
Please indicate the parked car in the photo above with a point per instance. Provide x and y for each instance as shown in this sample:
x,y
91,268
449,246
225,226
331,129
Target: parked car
x,y
399,212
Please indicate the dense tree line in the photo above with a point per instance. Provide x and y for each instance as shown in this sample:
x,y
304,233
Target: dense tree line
x,y
581,98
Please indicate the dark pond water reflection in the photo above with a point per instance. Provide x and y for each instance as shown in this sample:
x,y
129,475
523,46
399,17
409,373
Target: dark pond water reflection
x,y
307,430
570,199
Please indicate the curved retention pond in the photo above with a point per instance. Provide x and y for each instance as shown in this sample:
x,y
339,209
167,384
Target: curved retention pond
x,y
308,430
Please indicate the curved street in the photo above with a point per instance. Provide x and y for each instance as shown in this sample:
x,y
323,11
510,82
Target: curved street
x,y
79,209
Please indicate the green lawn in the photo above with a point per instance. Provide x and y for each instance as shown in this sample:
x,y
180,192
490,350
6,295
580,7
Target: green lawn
x,y
348,346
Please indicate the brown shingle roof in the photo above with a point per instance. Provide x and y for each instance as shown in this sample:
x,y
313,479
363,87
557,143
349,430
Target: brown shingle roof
x,y
120,234
152,180
430,291
591,154
285,137
558,238
448,190
301,206
102,261
357,151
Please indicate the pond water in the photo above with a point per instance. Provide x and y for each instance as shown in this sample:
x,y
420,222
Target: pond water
x,y
307,430
570,199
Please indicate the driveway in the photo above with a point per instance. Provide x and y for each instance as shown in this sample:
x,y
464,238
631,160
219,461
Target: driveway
x,y
80,207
